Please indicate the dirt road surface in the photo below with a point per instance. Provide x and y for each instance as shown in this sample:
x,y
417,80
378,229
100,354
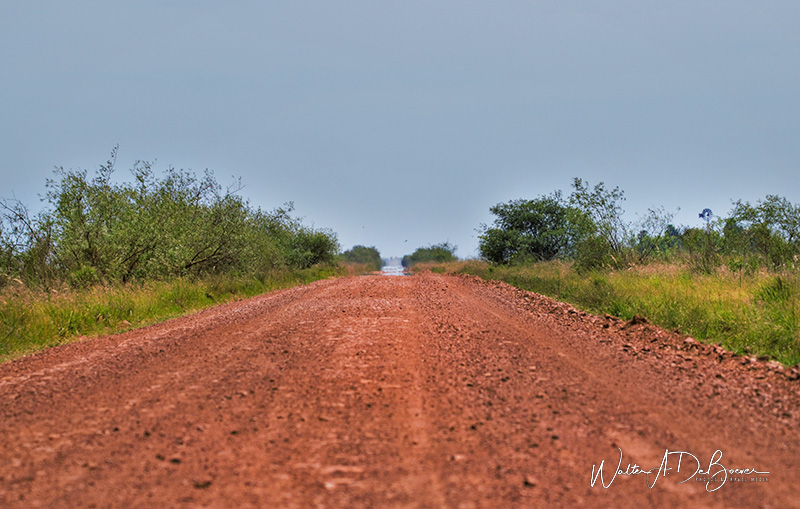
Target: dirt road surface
x,y
423,391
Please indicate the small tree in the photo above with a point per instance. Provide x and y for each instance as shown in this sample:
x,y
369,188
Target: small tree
x,y
609,231
26,243
438,253
773,227
363,255
544,228
656,234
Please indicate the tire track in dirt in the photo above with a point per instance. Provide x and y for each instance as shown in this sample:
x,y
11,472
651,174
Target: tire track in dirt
x,y
425,391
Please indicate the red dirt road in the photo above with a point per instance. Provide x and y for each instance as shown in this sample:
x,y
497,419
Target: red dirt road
x,y
424,391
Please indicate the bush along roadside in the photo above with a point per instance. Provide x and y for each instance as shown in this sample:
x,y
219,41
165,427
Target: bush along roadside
x,y
369,257
589,229
104,256
96,231
436,253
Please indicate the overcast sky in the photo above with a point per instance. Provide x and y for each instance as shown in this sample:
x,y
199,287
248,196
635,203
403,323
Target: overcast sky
x,y
405,121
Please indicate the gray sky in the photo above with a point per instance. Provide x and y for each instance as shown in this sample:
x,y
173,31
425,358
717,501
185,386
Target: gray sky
x,y
394,121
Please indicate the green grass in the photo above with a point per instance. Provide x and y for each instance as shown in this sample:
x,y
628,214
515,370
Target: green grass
x,y
754,315
32,320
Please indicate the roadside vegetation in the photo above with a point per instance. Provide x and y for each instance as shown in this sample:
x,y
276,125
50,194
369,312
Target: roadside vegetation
x,y
104,256
32,319
368,257
440,253
757,315
588,229
732,280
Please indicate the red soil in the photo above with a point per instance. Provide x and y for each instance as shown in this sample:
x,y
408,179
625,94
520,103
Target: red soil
x,y
424,391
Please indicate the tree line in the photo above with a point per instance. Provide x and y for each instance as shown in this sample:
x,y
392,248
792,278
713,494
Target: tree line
x,y
363,255
588,227
178,224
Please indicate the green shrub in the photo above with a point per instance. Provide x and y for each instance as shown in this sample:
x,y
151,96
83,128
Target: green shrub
x,y
438,253
155,228
544,228
593,253
363,255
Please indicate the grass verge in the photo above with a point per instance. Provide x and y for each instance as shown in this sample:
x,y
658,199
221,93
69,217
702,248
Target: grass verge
x,y
754,315
32,320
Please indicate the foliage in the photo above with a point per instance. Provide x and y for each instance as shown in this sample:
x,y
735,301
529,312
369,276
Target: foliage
x,y
440,253
594,253
602,207
363,255
590,230
158,227
307,247
771,229
544,228
657,236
